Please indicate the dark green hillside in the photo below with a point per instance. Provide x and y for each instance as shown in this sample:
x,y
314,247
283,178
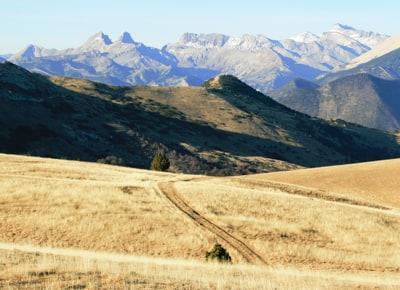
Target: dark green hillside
x,y
225,127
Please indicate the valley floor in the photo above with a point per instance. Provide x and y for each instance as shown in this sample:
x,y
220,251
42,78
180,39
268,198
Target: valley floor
x,y
81,225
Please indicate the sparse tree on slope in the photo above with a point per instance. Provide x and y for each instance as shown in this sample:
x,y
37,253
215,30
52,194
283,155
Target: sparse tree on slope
x,y
160,162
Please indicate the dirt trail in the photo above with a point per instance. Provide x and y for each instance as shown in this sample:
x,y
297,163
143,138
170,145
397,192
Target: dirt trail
x,y
308,192
317,194
168,190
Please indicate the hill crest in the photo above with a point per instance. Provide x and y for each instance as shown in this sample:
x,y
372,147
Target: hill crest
x,y
233,130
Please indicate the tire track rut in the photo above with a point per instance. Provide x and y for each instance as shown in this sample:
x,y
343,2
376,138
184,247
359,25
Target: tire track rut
x,y
168,190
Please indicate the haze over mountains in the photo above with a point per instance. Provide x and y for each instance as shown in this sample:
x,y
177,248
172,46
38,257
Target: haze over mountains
x,y
366,91
383,61
389,45
260,61
362,99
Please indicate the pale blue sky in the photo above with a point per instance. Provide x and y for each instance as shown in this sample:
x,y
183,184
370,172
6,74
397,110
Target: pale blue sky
x,y
67,23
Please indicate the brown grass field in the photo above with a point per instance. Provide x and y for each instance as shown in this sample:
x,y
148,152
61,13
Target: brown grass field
x,y
68,224
377,182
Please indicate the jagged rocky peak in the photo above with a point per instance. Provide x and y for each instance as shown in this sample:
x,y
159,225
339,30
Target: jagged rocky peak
x,y
28,51
126,38
32,51
99,41
101,37
207,40
264,63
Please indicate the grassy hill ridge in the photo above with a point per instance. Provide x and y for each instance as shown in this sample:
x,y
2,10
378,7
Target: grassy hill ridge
x,y
226,128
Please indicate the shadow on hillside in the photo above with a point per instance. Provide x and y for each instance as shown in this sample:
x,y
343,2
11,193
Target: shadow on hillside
x,y
52,121
354,142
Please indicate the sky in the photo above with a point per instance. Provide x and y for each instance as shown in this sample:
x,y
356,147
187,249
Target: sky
x,y
68,23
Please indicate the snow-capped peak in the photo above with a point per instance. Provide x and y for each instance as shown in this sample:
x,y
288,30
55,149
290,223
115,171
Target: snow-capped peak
x,y
252,42
126,38
32,51
367,38
98,42
204,40
262,62
100,37
391,44
306,37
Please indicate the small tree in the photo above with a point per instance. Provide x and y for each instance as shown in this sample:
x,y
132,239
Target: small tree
x,y
219,254
160,162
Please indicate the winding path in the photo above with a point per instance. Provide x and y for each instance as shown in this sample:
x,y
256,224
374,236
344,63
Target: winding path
x,y
168,190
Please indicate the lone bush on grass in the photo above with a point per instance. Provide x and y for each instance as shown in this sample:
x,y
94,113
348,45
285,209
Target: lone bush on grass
x,y
218,254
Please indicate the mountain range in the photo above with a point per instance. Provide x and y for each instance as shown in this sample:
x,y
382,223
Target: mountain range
x,y
361,98
261,62
382,61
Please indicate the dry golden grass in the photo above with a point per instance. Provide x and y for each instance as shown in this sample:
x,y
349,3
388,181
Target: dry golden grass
x,y
307,241
90,206
297,230
377,182
22,270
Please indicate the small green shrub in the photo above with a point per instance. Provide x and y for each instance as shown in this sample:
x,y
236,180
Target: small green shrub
x,y
160,162
218,254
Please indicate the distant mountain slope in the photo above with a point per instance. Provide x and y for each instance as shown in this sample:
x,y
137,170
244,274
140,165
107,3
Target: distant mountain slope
x,y
387,46
225,127
299,95
262,62
383,62
362,99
